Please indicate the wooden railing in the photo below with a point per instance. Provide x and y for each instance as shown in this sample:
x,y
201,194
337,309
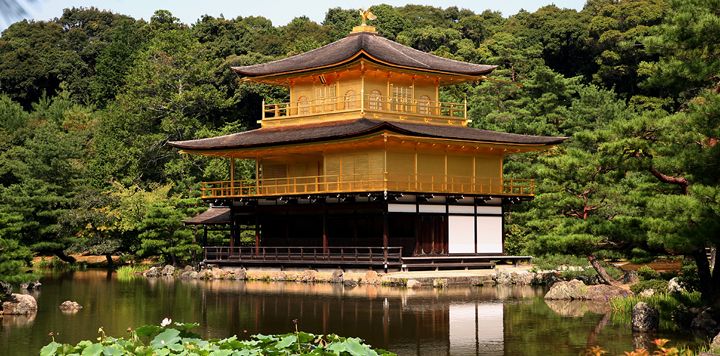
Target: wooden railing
x,y
305,255
367,183
369,103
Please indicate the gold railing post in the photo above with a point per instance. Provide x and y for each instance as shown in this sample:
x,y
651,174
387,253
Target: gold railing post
x,y
362,100
263,109
232,176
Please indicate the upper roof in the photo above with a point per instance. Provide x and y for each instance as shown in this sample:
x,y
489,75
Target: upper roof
x,y
274,136
371,46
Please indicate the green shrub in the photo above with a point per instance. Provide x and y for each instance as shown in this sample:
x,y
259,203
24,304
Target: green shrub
x,y
647,273
689,277
57,264
658,285
178,339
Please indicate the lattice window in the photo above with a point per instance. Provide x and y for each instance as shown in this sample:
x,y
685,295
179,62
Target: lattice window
x,y
375,100
325,97
423,105
402,97
350,100
303,105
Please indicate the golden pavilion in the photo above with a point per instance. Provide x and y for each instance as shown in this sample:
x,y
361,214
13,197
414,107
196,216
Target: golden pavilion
x,y
364,165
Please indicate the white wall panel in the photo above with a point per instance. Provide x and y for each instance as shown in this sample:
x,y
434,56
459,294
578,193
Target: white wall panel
x,y
489,210
461,234
401,208
489,234
461,209
428,208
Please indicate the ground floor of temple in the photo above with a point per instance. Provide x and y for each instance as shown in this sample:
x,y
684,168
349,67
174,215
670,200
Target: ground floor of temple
x,y
381,230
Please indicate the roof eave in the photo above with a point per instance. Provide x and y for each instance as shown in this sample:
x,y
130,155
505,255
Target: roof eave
x,y
361,54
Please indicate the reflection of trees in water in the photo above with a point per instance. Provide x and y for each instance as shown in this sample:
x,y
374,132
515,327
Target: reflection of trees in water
x,y
13,10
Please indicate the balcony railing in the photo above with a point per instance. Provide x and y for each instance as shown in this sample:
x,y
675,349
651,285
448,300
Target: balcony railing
x,y
404,107
367,183
370,256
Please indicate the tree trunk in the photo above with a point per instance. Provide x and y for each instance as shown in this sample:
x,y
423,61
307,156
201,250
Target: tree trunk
x,y
109,259
604,276
61,255
707,288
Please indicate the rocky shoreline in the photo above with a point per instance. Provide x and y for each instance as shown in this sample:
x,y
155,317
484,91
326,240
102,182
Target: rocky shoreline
x,y
491,278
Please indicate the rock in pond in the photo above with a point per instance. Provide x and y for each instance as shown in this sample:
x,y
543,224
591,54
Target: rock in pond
x,y
308,276
413,283
440,283
577,290
240,274
152,272
21,304
645,318
337,276
30,286
168,270
69,306
371,277
570,290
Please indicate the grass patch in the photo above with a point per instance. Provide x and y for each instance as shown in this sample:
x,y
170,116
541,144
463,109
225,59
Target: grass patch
x,y
658,285
668,304
128,273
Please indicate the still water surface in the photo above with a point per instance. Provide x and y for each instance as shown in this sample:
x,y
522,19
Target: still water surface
x,y
453,321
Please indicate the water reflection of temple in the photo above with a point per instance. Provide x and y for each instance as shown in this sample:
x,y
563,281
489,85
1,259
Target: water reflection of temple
x,y
423,322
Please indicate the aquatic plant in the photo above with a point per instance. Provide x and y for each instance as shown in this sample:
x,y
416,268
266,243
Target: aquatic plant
x,y
128,272
177,338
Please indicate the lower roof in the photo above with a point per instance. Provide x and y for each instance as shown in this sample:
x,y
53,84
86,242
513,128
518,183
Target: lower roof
x,y
216,215
276,136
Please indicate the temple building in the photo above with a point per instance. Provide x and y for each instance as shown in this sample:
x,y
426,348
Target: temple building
x,y
365,165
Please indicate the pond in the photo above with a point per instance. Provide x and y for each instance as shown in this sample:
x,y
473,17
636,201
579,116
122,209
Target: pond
x,y
452,321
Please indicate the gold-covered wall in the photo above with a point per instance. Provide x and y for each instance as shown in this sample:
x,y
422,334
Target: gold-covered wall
x,y
336,91
392,168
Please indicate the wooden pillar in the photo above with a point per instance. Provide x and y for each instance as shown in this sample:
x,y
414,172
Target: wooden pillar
x,y
234,230
324,231
232,176
257,175
257,236
385,234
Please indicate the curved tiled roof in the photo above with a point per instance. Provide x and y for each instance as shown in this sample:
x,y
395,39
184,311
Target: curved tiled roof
x,y
216,215
273,136
364,44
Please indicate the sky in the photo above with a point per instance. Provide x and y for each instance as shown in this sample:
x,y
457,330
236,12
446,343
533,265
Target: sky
x,y
279,11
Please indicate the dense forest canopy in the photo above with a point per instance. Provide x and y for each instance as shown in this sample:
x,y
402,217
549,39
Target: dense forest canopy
x,y
88,101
